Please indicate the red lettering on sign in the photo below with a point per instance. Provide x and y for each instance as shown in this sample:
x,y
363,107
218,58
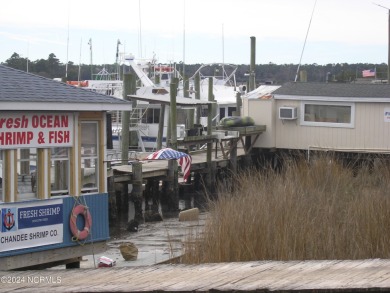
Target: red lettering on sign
x,y
19,122
16,138
59,136
50,121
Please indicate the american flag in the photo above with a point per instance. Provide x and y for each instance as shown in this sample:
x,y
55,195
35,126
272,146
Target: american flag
x,y
185,160
368,73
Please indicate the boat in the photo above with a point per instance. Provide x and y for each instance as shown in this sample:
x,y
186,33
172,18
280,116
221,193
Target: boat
x,y
154,79
225,89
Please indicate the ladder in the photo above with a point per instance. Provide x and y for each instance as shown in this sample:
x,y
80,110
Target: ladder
x,y
136,115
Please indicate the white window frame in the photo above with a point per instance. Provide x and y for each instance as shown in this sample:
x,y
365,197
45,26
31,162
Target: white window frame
x,y
327,124
65,160
33,157
91,157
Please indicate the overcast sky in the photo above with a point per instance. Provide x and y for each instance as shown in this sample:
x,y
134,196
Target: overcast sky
x,y
197,31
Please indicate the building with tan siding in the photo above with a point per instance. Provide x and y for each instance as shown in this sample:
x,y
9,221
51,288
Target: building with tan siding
x,y
346,117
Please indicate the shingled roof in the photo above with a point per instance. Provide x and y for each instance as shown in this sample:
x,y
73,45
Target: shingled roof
x,y
20,90
341,90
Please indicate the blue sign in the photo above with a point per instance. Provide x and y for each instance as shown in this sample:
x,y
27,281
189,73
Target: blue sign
x,y
31,224
38,216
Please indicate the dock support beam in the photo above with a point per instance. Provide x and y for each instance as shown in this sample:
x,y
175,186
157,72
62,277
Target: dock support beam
x,y
170,191
210,108
152,200
136,193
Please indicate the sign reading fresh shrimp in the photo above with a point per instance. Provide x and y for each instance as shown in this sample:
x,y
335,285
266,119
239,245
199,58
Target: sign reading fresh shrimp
x,y
36,130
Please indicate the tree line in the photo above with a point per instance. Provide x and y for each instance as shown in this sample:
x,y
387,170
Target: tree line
x,y
264,73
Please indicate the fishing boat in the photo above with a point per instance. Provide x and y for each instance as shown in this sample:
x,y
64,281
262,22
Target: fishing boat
x,y
154,79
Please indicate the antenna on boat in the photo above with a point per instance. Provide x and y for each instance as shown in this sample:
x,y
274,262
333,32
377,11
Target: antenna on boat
x,y
67,47
140,30
303,49
223,46
223,53
28,49
81,44
90,53
184,38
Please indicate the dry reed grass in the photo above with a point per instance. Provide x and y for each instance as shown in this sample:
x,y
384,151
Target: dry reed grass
x,y
317,210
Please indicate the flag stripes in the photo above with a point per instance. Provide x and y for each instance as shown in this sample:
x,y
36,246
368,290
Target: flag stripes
x,y
185,160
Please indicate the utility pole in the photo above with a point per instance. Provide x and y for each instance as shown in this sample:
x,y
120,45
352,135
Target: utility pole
x,y
116,60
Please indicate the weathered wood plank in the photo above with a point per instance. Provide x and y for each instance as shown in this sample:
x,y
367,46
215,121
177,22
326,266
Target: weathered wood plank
x,y
286,276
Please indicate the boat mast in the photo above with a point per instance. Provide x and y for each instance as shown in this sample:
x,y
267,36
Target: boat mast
x,y
90,53
140,30
67,48
78,78
303,49
223,54
184,39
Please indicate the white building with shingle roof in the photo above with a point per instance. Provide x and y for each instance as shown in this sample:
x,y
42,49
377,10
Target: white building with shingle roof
x,y
346,117
53,191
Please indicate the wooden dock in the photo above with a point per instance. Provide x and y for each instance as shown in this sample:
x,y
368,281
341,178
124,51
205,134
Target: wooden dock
x,y
221,155
159,168
259,276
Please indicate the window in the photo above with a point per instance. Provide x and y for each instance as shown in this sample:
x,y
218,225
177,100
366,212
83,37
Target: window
x,y
59,171
27,173
328,114
231,110
151,116
89,157
221,113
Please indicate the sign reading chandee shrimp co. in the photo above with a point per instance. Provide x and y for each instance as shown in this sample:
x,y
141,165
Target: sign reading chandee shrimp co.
x,y
35,130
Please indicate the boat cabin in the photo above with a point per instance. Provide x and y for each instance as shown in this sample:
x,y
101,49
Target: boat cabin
x,y
53,175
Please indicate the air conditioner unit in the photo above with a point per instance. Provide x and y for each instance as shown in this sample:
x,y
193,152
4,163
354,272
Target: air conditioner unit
x,y
288,113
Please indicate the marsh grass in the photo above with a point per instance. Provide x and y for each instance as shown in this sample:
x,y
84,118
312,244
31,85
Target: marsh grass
x,y
317,210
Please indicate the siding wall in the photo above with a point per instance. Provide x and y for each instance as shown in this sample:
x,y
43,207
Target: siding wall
x,y
370,133
263,113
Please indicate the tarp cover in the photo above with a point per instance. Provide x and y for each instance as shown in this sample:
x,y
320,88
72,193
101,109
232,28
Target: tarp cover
x,y
236,121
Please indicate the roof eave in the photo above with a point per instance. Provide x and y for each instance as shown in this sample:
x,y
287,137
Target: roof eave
x,y
54,106
165,99
333,99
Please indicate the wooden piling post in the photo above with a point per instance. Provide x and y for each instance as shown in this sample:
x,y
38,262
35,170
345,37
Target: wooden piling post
x,y
123,199
200,196
197,97
173,115
190,112
125,121
248,157
209,132
170,191
233,159
238,104
113,207
136,193
252,76
160,133
151,193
